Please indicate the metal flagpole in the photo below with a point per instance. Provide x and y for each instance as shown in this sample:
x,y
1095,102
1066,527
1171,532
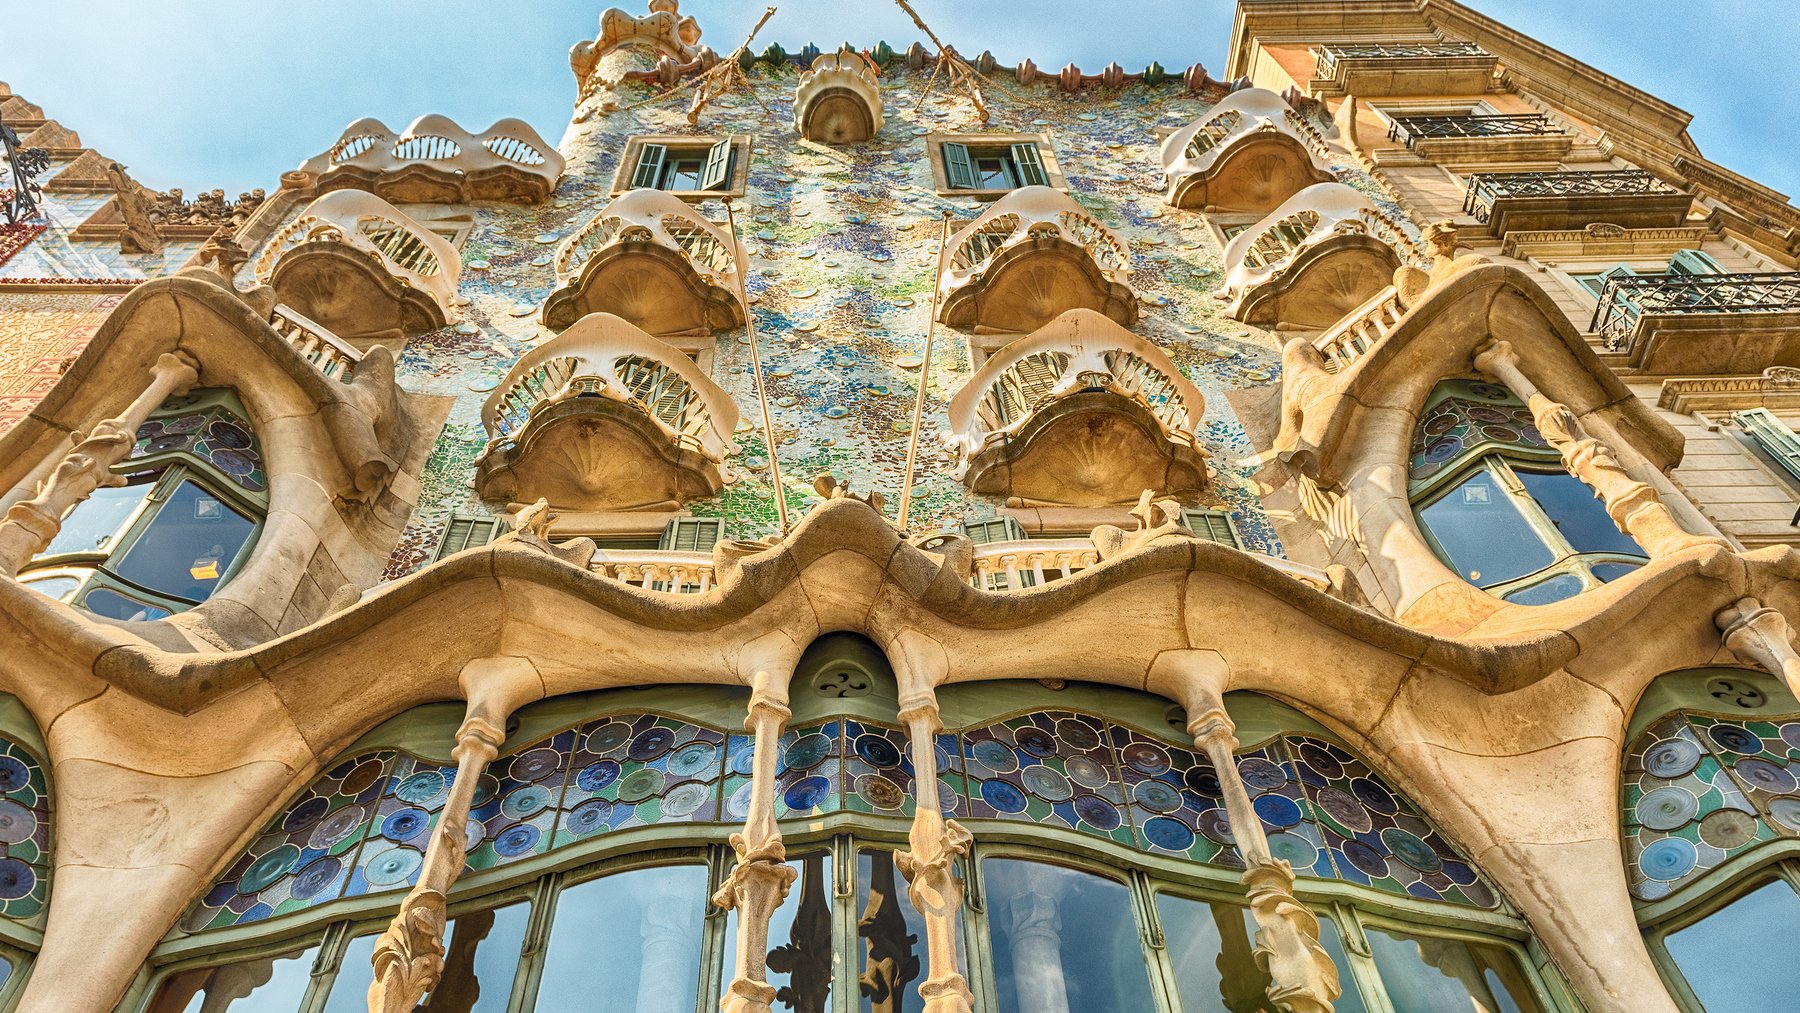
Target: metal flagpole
x,y
762,396
912,447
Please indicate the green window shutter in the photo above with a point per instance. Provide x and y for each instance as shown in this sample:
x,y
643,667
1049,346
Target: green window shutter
x,y
1693,262
466,532
1030,166
717,175
648,174
958,171
692,534
1212,525
1771,434
998,529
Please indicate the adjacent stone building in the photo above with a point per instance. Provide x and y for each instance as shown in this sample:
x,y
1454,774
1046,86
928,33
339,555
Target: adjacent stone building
x,y
876,530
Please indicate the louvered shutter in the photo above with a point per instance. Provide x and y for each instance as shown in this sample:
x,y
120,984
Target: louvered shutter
x,y
466,532
998,529
692,534
1693,262
958,171
1771,434
1029,165
1212,525
717,175
648,174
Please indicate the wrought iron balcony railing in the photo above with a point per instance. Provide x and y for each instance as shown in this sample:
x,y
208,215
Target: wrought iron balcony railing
x,y
1410,130
1626,301
1330,57
1486,188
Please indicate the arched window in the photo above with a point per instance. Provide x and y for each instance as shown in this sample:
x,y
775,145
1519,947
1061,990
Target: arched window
x,y
25,855
1497,507
1711,812
601,832
190,504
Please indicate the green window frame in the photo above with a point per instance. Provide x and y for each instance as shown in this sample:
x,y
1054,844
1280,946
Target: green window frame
x,y
467,531
662,165
1771,435
1018,164
1213,525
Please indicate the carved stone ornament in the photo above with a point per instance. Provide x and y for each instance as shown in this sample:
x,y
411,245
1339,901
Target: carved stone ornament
x,y
1157,519
531,527
135,206
828,486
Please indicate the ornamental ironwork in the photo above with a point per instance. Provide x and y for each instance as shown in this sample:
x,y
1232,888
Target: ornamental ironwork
x,y
1330,56
23,166
1410,130
1626,300
1487,188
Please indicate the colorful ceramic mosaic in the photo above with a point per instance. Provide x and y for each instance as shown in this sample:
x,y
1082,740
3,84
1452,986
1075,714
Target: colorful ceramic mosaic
x,y
216,433
1702,790
24,833
16,236
44,332
1464,417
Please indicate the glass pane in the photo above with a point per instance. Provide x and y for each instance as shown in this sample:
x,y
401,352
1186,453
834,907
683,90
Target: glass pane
x,y
684,174
991,173
1557,588
1711,952
626,943
90,527
58,587
1063,940
1211,948
187,546
480,960
1426,975
1577,513
263,985
1483,533
113,605
894,957
1606,573
800,956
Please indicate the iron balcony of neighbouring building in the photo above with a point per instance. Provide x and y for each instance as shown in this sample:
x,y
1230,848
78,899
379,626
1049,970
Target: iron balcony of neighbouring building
x,y
1403,68
1702,324
1540,201
1519,136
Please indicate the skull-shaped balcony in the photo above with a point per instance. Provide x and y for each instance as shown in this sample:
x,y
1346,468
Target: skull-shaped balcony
x,y
1030,257
436,161
1078,413
605,417
1313,259
650,258
359,266
838,101
1249,153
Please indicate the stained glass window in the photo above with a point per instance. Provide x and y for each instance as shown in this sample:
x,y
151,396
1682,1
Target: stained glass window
x,y
24,833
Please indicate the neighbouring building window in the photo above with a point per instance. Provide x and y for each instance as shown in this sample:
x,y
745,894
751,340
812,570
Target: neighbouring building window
x,y
686,166
193,500
992,164
1771,439
1494,502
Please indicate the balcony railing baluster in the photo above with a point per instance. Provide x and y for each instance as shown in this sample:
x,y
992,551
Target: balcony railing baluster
x,y
1487,188
1410,130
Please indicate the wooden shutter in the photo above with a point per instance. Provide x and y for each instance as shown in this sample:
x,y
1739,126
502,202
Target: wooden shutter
x,y
1212,525
998,529
648,174
692,534
466,532
1771,434
1693,262
717,175
958,171
1029,165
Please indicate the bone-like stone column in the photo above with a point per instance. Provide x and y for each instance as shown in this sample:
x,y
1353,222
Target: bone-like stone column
x,y
30,524
759,882
930,867
1302,978
1761,636
409,956
1633,505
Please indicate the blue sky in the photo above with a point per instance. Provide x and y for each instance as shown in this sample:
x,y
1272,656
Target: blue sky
x,y
207,93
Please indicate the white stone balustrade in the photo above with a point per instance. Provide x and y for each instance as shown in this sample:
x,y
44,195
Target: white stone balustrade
x,y
1361,330
656,569
838,99
434,159
1212,161
334,357
1057,255
1033,562
603,266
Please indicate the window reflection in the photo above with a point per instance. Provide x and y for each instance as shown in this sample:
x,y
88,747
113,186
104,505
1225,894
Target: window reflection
x,y
1578,514
190,543
626,943
93,523
261,985
1711,952
1063,941
894,958
1483,533
1212,949
1423,974
800,945
481,954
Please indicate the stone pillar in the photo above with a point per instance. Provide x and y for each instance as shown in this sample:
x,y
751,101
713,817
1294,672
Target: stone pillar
x,y
1302,976
30,524
1762,637
409,956
930,867
759,882
1036,934
1633,505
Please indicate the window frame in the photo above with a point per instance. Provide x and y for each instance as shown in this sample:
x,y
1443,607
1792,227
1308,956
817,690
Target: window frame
x,y
1774,865
737,176
940,173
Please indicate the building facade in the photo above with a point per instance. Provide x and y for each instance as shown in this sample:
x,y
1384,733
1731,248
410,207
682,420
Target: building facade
x,y
1327,529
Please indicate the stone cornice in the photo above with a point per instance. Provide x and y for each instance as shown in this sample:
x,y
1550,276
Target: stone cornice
x,y
1777,387
1603,240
